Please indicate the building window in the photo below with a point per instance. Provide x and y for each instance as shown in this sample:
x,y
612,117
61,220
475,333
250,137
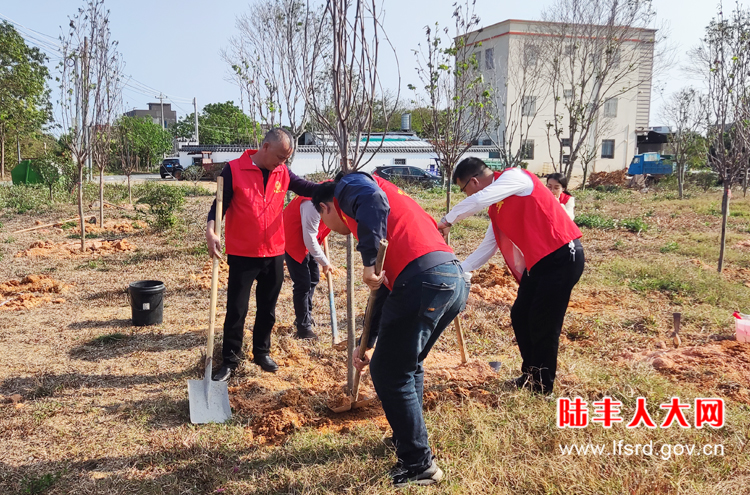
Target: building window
x,y
528,108
527,150
530,55
399,161
494,154
608,148
486,142
610,108
568,94
565,142
566,159
489,58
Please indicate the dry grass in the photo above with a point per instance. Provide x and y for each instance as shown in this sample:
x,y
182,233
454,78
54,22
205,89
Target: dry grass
x,y
103,405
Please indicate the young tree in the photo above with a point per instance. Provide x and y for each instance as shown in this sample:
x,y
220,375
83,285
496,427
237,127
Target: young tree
x,y
459,100
49,171
595,51
351,67
219,123
724,59
82,85
126,147
684,113
24,95
269,59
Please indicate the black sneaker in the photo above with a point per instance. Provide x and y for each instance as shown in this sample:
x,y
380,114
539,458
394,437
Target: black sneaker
x,y
223,374
429,476
522,381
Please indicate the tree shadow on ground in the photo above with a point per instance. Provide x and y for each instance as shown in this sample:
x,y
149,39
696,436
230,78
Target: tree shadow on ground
x,y
198,468
113,346
115,322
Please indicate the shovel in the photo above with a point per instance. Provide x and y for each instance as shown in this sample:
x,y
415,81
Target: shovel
x,y
353,402
209,400
331,303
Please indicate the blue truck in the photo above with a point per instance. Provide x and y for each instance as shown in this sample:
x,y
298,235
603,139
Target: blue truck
x,y
651,164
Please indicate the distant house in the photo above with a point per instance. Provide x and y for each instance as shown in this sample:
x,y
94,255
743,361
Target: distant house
x,y
154,111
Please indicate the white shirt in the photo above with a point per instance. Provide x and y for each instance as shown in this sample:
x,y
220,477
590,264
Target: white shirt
x,y
512,182
310,223
570,207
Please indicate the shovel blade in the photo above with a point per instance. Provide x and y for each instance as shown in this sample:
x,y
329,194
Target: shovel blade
x,y
209,401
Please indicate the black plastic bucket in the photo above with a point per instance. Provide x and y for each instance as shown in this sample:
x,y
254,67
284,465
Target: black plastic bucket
x,y
147,302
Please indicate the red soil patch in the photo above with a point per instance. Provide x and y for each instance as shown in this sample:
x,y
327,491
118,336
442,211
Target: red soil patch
x,y
739,275
30,292
719,366
49,249
202,280
494,285
112,226
298,395
616,178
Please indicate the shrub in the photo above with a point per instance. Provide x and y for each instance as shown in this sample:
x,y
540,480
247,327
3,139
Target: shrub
x,y
669,247
594,221
636,224
163,202
25,197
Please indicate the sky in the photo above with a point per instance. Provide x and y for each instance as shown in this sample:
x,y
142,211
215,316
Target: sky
x,y
173,46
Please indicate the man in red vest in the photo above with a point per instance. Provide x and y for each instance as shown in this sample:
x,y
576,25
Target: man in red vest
x,y
255,185
541,246
304,234
425,290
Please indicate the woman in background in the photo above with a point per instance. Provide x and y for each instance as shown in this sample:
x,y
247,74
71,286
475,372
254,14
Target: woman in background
x,y
558,184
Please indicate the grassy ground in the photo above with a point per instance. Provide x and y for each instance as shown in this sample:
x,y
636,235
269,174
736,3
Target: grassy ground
x,y
103,405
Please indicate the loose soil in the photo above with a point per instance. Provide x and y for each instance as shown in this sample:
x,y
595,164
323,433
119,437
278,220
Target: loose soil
x,y
723,365
306,386
616,178
112,227
50,249
202,280
494,285
30,292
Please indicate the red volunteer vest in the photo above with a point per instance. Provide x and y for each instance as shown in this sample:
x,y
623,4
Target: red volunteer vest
x,y
295,244
564,198
255,224
411,231
535,223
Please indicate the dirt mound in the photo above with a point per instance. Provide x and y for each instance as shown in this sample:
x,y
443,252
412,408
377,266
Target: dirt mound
x,y
73,249
494,285
113,226
299,393
739,275
743,244
30,292
202,280
721,367
616,178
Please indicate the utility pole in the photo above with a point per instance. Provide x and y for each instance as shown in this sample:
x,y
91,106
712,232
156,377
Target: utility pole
x,y
161,101
195,113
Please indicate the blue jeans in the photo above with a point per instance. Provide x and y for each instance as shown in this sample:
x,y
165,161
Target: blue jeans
x,y
414,315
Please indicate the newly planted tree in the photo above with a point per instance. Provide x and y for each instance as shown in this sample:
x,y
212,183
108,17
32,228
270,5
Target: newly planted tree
x,y
685,113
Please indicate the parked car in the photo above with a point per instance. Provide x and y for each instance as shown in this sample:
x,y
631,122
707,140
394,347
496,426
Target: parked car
x,y
411,175
170,167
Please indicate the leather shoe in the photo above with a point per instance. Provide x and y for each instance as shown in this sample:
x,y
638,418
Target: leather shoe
x,y
223,374
306,334
266,363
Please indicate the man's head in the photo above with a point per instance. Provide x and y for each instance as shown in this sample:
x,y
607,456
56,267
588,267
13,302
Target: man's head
x,y
472,175
277,148
322,199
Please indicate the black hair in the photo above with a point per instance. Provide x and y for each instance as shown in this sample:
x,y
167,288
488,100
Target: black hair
x,y
468,168
561,179
323,194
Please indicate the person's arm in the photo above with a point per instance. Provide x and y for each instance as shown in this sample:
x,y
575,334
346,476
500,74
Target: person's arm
x,y
213,241
310,224
483,253
300,186
570,207
512,182
226,173
360,198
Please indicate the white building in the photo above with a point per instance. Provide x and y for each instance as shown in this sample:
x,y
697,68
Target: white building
x,y
511,56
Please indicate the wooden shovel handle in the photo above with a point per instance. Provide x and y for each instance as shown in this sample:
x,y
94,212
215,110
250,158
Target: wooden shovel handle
x,y
215,271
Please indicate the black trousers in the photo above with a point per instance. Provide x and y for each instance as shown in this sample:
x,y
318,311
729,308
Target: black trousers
x,y
305,277
243,271
539,310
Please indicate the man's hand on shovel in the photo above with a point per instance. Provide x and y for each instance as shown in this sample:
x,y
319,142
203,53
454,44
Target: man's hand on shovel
x,y
363,363
372,280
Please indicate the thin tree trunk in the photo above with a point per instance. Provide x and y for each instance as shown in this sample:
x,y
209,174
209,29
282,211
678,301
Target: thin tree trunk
x,y
80,206
448,209
681,179
101,196
130,192
2,155
724,215
18,148
350,327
